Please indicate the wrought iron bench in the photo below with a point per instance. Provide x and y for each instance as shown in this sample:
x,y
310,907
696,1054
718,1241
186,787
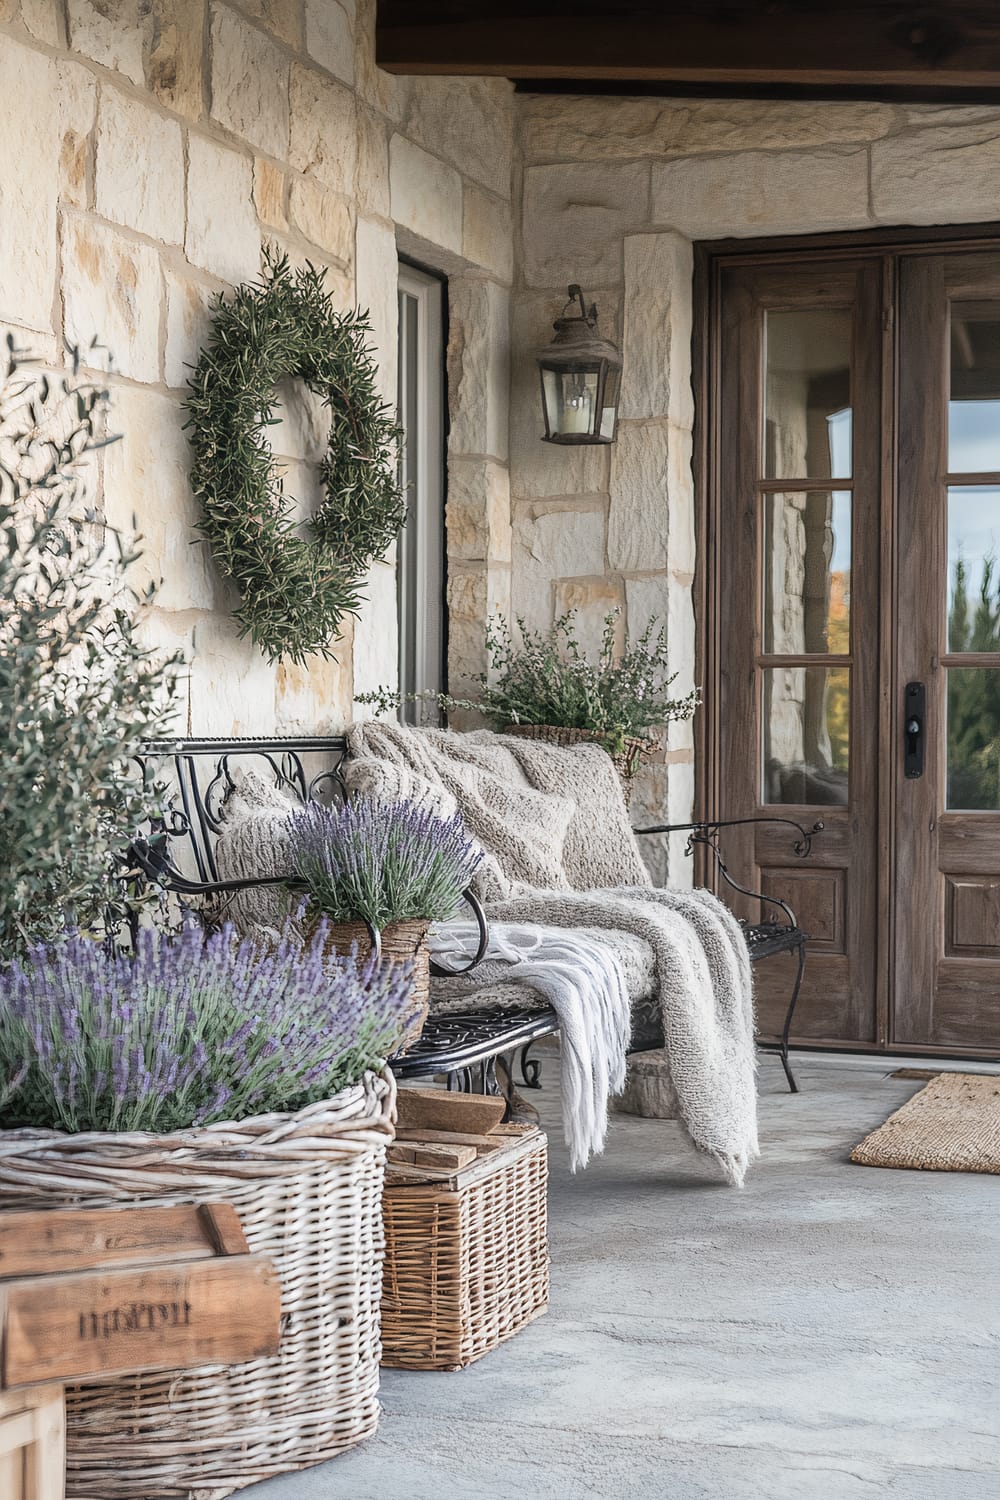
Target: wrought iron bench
x,y
179,856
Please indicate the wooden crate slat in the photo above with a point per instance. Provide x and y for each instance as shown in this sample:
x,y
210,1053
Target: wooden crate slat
x,y
40,1244
221,1311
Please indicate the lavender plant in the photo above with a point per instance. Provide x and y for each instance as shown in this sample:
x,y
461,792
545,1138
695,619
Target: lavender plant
x,y
548,679
188,1030
384,862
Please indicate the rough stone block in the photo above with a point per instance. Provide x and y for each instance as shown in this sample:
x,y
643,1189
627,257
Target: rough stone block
x,y
752,193
323,217
426,195
282,17
249,83
77,105
937,176
269,193
222,232
640,497
575,217
139,177
172,54
468,121
553,544
316,697
231,685
330,38
591,600
656,347
147,492
377,274
42,18
30,154
111,35
323,129
188,315
376,637
487,233
111,289
478,518
563,127
384,91
371,176
478,366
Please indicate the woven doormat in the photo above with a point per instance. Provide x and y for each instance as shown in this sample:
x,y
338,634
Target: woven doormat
x,y
952,1125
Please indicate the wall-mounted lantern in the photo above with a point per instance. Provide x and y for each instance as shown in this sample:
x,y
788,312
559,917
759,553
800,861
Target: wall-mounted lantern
x,y
581,377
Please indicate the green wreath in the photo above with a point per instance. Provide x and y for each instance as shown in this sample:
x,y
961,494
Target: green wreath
x,y
294,590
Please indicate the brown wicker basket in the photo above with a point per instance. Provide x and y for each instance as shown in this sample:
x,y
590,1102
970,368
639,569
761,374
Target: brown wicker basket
x,y
400,941
467,1262
308,1190
626,763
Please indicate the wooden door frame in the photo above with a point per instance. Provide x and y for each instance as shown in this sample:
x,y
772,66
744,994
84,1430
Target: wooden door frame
x,y
710,259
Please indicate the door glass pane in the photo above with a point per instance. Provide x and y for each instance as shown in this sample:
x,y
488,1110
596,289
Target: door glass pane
x,y
807,419
974,738
973,568
807,572
974,407
805,720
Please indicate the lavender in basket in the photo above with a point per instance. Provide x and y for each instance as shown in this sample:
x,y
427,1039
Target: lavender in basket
x,y
189,1030
387,862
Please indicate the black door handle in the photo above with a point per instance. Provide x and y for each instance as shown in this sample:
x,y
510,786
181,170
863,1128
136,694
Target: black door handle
x,y
914,722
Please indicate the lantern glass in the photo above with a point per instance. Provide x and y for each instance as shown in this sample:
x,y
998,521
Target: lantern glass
x,y
609,404
571,403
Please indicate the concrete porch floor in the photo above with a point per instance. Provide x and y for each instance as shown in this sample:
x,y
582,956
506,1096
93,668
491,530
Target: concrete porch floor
x,y
831,1331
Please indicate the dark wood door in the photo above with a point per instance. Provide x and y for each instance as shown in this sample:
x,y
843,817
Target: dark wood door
x,y
798,588
855,601
946,963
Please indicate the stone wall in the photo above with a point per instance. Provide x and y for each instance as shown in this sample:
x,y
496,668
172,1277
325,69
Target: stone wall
x,y
613,193
150,147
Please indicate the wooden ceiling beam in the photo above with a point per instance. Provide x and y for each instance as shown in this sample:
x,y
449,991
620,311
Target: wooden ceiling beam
x,y
947,46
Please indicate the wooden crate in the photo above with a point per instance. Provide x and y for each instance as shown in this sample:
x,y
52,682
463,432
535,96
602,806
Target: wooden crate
x,y
467,1262
32,1443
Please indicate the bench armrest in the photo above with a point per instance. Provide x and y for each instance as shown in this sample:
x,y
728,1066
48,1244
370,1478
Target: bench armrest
x,y
708,834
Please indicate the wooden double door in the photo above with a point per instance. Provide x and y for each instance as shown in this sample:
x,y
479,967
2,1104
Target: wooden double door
x,y
853,628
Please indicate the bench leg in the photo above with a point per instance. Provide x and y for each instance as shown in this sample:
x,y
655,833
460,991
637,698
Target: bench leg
x,y
786,1029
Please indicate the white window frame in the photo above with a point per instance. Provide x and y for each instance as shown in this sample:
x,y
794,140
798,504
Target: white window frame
x,y
421,573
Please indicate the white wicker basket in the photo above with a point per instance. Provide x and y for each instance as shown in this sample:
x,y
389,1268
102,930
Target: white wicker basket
x,y
308,1189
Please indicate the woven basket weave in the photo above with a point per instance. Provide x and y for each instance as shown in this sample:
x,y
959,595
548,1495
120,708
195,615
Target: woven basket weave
x,y
467,1263
400,942
626,763
307,1187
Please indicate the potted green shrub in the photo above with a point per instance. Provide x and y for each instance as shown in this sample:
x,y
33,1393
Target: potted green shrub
x,y
199,1067
546,688
385,871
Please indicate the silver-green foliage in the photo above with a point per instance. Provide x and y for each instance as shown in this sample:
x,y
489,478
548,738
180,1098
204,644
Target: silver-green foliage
x,y
547,678
78,692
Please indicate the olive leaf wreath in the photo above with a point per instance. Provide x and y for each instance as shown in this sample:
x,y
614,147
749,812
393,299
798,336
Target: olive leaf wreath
x,y
294,589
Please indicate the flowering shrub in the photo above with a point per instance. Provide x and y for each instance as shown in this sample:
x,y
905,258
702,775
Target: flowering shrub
x,y
387,862
548,680
189,1030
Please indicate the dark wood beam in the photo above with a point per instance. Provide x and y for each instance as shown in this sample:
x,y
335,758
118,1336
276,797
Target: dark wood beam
x,y
943,49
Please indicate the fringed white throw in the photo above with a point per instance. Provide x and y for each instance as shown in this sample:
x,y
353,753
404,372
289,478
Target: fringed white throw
x,y
584,981
597,880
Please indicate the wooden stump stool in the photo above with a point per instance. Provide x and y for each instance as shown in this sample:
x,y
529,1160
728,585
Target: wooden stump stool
x,y
648,1091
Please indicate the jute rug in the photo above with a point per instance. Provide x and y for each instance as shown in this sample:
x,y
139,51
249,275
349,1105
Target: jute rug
x,y
952,1125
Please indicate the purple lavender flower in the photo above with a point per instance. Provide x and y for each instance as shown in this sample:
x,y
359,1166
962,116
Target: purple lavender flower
x,y
187,1030
384,862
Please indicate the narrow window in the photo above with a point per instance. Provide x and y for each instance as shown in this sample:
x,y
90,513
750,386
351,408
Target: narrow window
x,y
421,569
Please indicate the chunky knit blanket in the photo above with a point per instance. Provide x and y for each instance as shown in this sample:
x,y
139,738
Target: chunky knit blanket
x,y
597,881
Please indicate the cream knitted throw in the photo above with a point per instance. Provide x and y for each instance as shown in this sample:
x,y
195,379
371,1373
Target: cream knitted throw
x,y
701,963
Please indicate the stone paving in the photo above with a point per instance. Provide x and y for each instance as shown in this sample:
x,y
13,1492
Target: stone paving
x,y
832,1331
